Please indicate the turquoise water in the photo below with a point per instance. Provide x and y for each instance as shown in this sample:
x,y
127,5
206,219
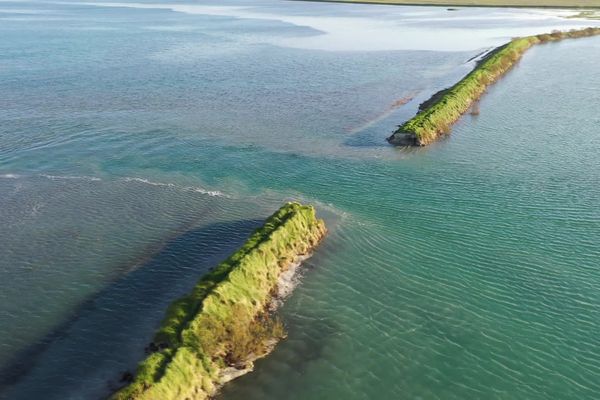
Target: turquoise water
x,y
140,144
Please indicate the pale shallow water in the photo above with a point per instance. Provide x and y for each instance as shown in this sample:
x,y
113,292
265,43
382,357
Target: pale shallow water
x,y
140,144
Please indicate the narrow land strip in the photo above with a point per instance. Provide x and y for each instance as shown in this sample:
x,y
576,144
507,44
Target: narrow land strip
x,y
438,114
214,334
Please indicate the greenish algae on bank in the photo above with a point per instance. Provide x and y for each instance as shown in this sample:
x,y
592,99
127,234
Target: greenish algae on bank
x,y
439,113
213,334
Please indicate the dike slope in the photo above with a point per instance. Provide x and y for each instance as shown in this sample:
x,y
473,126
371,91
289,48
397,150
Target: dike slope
x,y
440,112
214,333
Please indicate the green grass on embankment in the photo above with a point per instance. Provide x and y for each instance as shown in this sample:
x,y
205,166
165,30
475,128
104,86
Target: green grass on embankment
x,y
446,107
482,3
224,321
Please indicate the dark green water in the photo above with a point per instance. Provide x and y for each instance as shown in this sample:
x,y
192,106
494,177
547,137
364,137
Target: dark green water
x,y
138,146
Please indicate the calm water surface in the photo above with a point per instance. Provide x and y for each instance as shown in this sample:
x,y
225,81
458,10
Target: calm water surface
x,y
140,143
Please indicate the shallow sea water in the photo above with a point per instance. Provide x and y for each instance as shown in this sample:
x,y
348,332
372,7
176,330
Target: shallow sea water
x,y
140,143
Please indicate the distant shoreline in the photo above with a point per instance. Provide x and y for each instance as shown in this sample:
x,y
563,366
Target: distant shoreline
x,y
474,4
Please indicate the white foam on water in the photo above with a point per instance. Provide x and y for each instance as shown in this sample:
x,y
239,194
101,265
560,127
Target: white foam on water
x,y
195,189
70,177
146,181
208,192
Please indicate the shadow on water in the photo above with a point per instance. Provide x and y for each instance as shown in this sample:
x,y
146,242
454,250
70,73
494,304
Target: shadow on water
x,y
85,357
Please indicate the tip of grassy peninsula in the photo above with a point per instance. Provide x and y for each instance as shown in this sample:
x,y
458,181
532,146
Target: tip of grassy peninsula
x,y
216,331
446,107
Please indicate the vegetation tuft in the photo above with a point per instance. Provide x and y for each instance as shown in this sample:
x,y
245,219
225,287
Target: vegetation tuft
x,y
225,322
439,113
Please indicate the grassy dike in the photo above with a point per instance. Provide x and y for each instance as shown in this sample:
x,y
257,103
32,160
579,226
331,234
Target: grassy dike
x,y
438,114
213,334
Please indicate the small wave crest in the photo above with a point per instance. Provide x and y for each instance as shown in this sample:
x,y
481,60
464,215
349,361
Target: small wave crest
x,y
196,189
51,177
70,177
